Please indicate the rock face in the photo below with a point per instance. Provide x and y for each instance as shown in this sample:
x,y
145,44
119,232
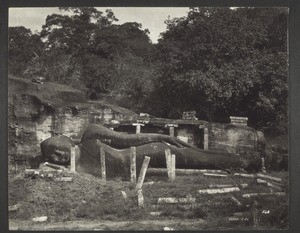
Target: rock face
x,y
40,111
235,139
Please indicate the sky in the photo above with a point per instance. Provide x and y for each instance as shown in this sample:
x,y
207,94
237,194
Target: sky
x,y
151,18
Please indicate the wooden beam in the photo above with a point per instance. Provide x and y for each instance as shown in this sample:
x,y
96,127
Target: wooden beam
x,y
177,171
217,191
269,177
214,175
244,175
174,200
249,195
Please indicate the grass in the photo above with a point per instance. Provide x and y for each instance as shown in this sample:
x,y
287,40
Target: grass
x,y
88,198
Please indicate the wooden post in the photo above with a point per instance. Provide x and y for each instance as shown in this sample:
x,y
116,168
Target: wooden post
x,y
142,173
140,198
205,140
168,162
102,161
133,165
173,167
72,159
255,215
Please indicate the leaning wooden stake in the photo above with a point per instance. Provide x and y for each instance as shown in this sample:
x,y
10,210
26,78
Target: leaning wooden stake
x,y
142,173
72,159
133,165
103,166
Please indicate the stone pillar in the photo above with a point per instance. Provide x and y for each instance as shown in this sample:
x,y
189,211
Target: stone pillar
x,y
138,127
205,140
171,129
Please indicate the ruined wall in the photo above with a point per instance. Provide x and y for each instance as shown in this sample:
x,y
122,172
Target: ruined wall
x,y
234,139
30,123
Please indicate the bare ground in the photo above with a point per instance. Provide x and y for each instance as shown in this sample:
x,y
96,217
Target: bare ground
x,y
87,203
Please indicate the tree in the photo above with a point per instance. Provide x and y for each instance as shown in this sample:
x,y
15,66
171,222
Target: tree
x,y
23,47
224,62
85,49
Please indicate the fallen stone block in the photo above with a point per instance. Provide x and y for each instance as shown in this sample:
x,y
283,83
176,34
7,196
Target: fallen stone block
x,y
168,229
249,195
269,177
243,185
155,213
174,200
149,183
55,166
40,219
220,185
217,191
124,194
177,171
214,175
260,181
49,175
64,179
213,171
31,172
14,207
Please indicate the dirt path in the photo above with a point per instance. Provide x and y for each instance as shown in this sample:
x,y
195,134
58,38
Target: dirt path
x,y
108,225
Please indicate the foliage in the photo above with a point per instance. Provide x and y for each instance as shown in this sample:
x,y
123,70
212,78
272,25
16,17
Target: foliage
x,y
23,47
217,61
224,62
